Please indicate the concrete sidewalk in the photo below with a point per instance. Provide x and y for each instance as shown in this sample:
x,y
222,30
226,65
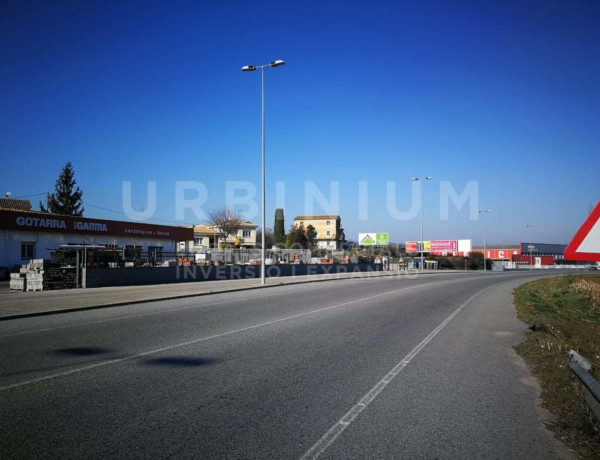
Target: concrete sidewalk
x,y
24,304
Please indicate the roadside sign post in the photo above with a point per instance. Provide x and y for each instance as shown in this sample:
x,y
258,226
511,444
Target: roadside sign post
x,y
530,247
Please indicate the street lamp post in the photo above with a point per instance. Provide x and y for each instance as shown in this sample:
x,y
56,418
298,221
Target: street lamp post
x,y
483,213
416,179
530,247
251,68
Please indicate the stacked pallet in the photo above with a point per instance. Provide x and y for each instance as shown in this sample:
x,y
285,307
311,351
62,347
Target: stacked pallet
x,y
18,282
30,276
63,259
59,278
34,281
34,274
40,274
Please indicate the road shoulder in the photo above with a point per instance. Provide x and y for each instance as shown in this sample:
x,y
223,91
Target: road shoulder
x,y
470,378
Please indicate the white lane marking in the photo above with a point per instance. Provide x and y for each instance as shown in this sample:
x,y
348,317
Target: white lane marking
x,y
201,339
329,438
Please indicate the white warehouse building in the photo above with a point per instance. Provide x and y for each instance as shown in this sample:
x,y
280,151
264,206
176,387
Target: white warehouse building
x,y
30,235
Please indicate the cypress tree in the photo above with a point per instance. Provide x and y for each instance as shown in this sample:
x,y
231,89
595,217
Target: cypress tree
x,y
279,228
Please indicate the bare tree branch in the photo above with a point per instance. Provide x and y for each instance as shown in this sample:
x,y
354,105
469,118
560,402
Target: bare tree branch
x,y
226,221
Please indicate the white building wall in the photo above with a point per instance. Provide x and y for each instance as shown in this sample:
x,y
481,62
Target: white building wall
x,y
45,242
326,244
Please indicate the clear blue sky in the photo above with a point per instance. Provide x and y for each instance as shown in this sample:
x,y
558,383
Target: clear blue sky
x,y
506,94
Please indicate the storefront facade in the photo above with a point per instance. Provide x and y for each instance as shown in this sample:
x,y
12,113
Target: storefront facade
x,y
30,235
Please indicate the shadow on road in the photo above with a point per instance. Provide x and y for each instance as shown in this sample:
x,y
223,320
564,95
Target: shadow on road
x,y
81,351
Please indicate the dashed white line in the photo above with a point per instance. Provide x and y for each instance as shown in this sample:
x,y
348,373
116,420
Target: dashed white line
x,y
201,339
332,434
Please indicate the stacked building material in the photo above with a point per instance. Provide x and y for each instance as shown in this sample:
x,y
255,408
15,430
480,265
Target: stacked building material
x,y
30,276
60,278
34,281
18,282
34,274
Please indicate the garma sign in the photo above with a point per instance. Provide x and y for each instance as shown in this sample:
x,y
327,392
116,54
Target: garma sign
x,y
373,239
44,222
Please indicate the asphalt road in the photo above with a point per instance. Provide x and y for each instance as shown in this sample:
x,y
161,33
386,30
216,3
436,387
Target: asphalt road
x,y
417,367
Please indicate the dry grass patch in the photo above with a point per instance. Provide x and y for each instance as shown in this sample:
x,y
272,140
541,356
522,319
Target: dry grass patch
x,y
590,289
564,313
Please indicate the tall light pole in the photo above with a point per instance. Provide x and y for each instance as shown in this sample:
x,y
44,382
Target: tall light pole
x,y
530,247
251,68
416,179
483,213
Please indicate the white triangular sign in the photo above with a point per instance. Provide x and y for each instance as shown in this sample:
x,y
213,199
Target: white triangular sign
x,y
586,243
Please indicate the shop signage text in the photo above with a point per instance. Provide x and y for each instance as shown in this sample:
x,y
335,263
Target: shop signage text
x,y
37,222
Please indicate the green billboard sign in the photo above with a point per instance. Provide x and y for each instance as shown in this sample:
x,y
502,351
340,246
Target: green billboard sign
x,y
373,239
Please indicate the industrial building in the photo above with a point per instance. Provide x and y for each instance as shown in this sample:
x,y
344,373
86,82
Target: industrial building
x,y
515,255
531,254
31,235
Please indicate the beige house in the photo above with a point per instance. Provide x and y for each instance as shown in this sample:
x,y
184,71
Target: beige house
x,y
207,236
328,228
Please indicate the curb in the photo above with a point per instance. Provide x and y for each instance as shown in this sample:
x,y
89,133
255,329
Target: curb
x,y
185,296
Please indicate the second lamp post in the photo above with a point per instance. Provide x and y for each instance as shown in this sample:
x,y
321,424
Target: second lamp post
x,y
416,179
250,68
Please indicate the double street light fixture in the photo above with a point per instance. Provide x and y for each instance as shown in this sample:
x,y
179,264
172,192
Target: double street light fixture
x,y
417,179
251,68
483,213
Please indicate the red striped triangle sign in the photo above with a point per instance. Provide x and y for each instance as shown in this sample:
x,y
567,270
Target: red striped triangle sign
x,y
586,243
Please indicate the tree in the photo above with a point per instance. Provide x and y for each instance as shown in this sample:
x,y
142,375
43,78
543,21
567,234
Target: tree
x,y
476,260
310,237
225,221
296,238
279,228
269,239
66,198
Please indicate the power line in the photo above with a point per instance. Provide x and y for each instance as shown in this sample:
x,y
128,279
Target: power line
x,y
125,214
28,196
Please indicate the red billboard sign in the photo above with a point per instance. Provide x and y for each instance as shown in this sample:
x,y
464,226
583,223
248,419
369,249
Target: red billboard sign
x,y
501,254
411,246
444,246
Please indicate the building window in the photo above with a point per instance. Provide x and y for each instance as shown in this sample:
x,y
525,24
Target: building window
x,y
246,233
301,223
132,253
198,241
328,222
155,254
328,233
27,250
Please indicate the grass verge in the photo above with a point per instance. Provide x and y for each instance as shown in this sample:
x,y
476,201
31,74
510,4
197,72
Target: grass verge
x,y
564,314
